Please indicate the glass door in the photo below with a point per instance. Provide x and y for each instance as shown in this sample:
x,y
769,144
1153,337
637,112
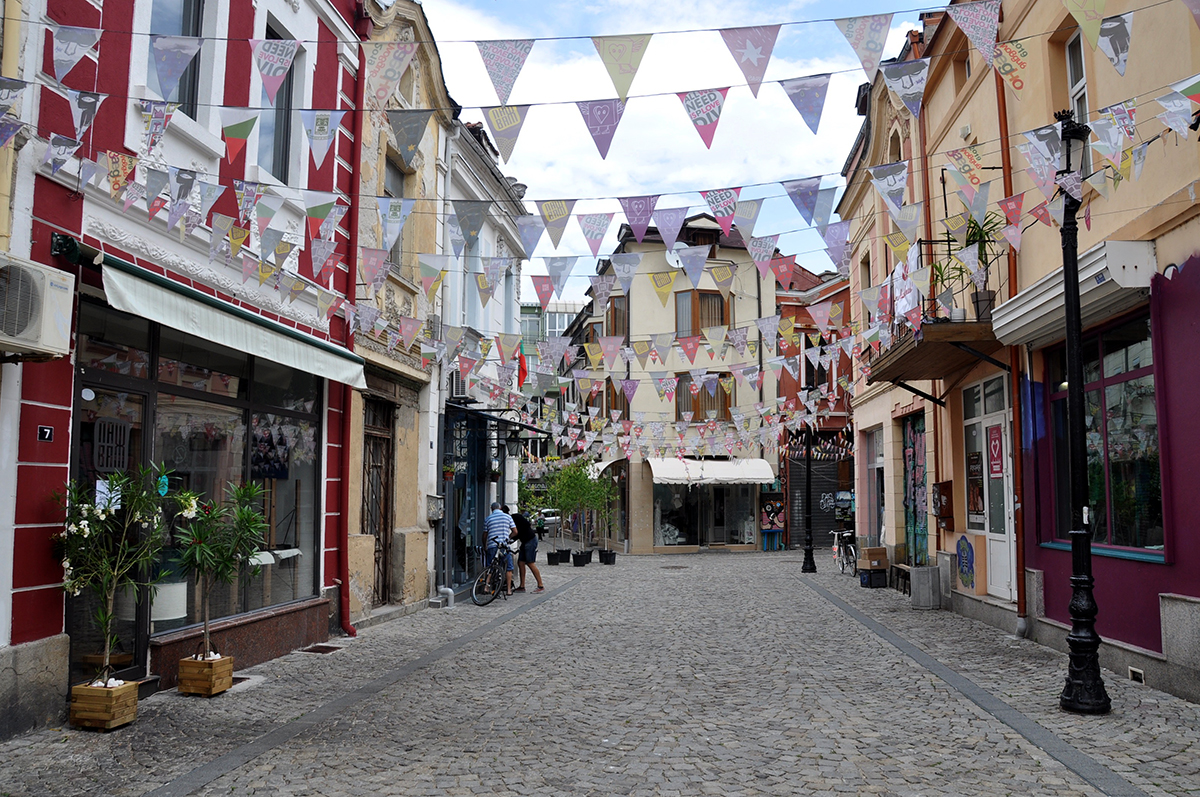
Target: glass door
x,y
988,445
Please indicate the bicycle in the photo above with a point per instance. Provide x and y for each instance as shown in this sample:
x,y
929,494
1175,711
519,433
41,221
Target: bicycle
x,y
492,580
845,553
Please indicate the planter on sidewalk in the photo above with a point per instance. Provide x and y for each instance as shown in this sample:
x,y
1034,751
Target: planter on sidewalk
x,y
926,588
104,707
207,677
579,559
552,557
608,557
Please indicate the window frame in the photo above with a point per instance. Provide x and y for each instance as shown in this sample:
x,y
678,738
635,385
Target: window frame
x,y
281,130
695,403
693,299
1077,93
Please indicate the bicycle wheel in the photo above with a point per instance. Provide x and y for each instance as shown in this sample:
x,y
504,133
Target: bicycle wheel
x,y
853,552
842,558
486,587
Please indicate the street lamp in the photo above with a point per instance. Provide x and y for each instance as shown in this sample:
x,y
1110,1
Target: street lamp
x,y
1084,691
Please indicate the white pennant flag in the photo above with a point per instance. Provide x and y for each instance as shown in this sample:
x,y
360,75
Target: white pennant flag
x,y
321,128
503,61
867,35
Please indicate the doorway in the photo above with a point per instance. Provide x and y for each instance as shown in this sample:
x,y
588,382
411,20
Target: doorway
x,y
378,489
916,505
987,439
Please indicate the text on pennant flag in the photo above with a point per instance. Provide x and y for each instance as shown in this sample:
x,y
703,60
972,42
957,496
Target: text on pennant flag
x,y
751,48
504,60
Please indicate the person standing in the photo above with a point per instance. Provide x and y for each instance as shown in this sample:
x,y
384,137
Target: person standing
x,y
527,556
499,528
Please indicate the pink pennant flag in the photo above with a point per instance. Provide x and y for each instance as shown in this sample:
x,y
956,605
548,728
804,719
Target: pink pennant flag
x,y
1042,214
751,49
690,345
723,203
669,221
704,109
543,286
602,118
761,251
1012,234
1012,207
409,327
820,314
594,226
273,57
638,211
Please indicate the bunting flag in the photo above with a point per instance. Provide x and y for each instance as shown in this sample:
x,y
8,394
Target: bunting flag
x,y
622,55
979,20
908,220
1012,207
1115,37
638,211
559,268
866,35
602,118
503,61
1194,7
808,96
155,118
323,261
714,336
384,64
328,303
1012,234
84,105
979,204
723,204
181,181
372,266
508,344
669,221
664,284
722,274
761,251
133,192
408,128
803,193
610,347
745,216
629,388
393,212
906,79
294,286
1088,15
1072,183
433,271
471,213
602,286
236,125
486,288
530,229
783,268
321,128
156,181
751,49
273,57
1011,59
265,272
70,45
172,55
693,259
11,90
209,194
249,264
555,214
221,224
87,170
1047,143
689,346
823,208
662,345
237,239
890,180
505,123
704,109
247,194
625,266
594,227
543,286
457,241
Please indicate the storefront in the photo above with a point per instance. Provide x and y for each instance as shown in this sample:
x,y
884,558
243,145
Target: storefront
x,y
702,503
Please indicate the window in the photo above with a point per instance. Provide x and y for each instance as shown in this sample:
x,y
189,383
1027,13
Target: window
x,y
531,329
275,124
864,272
984,422
814,376
695,310
706,238
617,399
703,402
875,482
1077,89
393,186
618,315
1124,480
556,324
177,18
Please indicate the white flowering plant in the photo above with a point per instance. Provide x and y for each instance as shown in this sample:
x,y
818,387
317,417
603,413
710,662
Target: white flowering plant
x,y
217,541
113,534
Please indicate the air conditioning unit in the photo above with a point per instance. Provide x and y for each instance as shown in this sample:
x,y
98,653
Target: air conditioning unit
x,y
458,386
35,307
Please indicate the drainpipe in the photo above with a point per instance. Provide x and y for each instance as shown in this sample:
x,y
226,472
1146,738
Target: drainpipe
x,y
9,67
364,27
937,415
1014,364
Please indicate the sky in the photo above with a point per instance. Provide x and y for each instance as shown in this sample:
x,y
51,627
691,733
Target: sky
x,y
656,149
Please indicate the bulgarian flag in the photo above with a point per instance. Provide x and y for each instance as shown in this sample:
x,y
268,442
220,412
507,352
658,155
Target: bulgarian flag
x,y
236,125
1189,87
318,205
522,369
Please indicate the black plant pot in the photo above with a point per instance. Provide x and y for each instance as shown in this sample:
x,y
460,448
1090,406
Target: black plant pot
x,y
588,554
579,559
552,557
608,557
984,302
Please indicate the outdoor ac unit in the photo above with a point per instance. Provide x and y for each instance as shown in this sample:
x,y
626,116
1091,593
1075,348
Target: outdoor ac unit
x,y
458,386
35,307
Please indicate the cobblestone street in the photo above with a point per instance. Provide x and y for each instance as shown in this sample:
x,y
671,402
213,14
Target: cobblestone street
x,y
688,675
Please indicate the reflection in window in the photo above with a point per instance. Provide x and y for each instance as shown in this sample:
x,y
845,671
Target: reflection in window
x,y
112,341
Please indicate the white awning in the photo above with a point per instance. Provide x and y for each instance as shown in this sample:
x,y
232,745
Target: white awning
x,y
711,471
188,310
594,469
1113,277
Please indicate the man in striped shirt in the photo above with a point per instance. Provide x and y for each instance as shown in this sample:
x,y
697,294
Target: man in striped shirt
x,y
499,528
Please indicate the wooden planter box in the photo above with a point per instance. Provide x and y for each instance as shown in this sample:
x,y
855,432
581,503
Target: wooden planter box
x,y
208,678
104,707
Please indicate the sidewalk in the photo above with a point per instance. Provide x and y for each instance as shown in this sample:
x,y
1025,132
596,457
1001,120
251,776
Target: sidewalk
x,y
661,675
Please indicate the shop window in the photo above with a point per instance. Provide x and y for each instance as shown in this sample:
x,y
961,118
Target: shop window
x,y
1121,421
113,342
193,363
284,387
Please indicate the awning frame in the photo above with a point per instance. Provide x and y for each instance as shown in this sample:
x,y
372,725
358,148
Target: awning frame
x,y
707,471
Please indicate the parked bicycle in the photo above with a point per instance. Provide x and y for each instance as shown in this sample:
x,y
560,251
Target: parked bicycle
x,y
492,581
845,553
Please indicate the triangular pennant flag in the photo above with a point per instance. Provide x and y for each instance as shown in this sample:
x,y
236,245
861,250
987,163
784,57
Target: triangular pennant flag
x,y
693,259
745,216
622,55
808,96
908,220
1116,35
182,181
155,118
505,122
1088,15
508,345
723,204
979,204
641,348
625,266
265,270
393,212
704,109
629,388
610,346
11,90
486,288
559,268
723,274
247,194
321,128
1012,234
371,264
457,241
408,128
906,79
761,251
70,45
273,57
751,49
133,192
503,60
221,225
543,286
236,125
1072,183
866,35
172,55
602,118
664,284
689,346
327,303
979,21
84,105
783,268
555,214
87,170
209,194
384,63
715,335
662,345
594,227
668,222
294,286
890,180
530,229
156,181
249,264
1047,143
1012,207
323,263
1011,59
803,194
237,239
330,222
602,286
267,243
433,271
824,208
638,210
472,213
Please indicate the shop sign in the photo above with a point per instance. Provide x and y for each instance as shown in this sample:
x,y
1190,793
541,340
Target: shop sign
x,y
995,440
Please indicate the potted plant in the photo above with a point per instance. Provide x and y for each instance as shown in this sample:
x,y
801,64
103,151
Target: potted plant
x,y
216,547
983,298
448,473
113,534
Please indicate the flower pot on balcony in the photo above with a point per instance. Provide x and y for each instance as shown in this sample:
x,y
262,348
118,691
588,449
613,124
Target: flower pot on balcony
x,y
104,707
983,302
205,677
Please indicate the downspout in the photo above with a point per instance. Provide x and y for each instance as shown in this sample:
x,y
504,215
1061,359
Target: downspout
x,y
9,67
365,26
1014,364
937,415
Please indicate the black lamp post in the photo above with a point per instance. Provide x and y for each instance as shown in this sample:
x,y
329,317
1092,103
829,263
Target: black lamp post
x,y
1084,691
810,565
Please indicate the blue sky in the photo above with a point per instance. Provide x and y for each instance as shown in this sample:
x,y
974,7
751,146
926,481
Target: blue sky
x,y
656,150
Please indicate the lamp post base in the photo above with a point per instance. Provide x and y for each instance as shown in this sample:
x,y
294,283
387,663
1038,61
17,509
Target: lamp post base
x,y
810,565
1084,692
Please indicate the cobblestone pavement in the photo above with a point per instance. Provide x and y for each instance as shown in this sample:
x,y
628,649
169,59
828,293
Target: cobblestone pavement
x,y
687,675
